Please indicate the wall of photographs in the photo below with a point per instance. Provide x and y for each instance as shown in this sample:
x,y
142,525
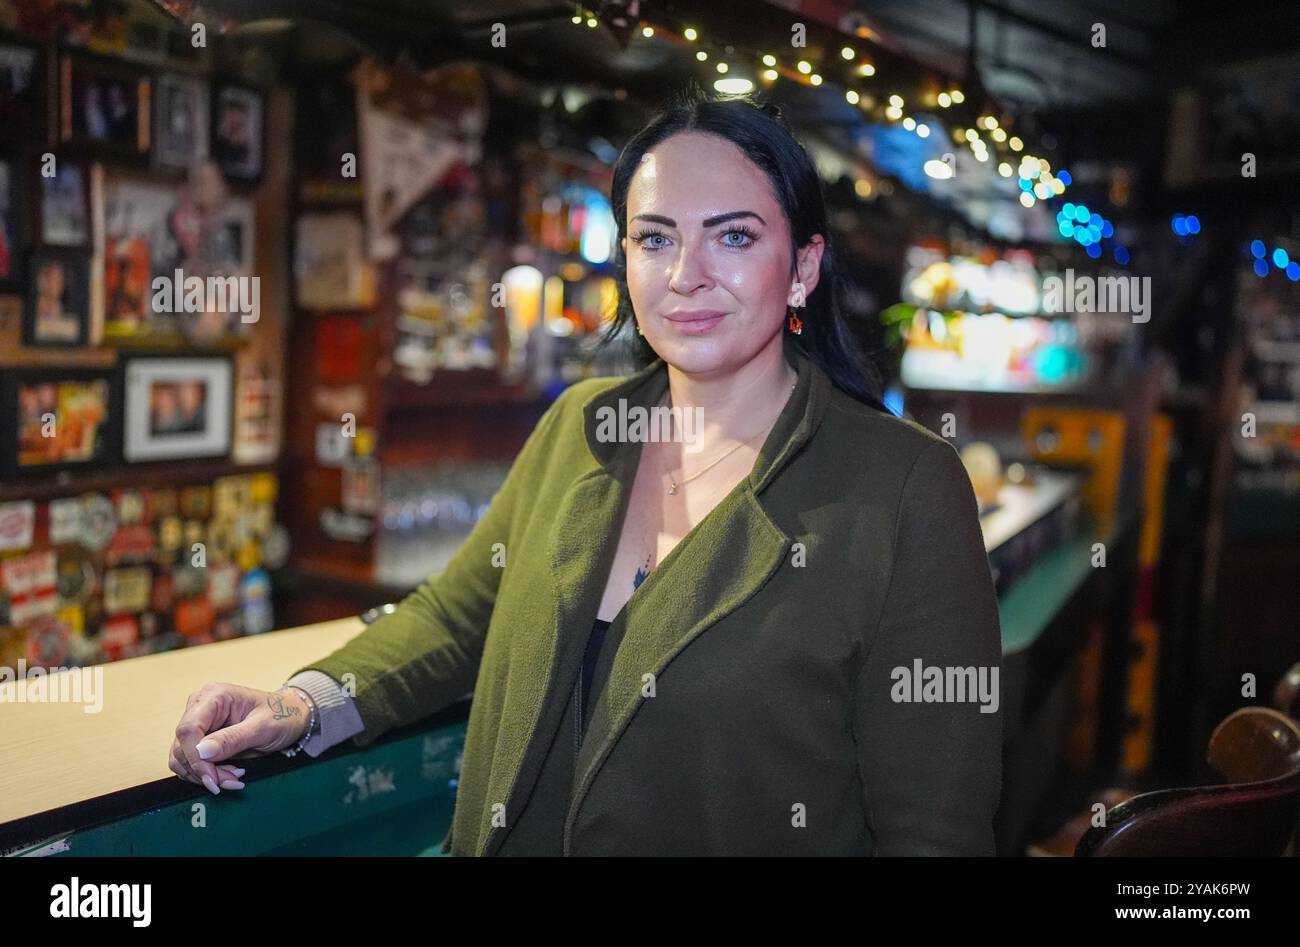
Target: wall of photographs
x,y
143,287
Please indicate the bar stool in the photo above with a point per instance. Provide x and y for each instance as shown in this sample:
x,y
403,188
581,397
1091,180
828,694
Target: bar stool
x,y
1256,751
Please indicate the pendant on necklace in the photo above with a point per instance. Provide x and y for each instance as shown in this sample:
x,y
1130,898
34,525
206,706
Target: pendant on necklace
x,y
672,489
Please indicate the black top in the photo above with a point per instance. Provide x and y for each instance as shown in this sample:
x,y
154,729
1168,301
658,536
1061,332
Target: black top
x,y
589,660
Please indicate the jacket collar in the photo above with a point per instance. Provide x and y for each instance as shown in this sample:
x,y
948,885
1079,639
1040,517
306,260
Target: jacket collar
x,y
796,424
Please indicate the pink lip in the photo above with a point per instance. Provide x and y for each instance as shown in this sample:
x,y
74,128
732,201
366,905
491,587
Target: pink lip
x,y
695,321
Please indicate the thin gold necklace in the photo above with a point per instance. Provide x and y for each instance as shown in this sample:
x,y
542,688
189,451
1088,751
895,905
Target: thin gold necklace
x,y
674,484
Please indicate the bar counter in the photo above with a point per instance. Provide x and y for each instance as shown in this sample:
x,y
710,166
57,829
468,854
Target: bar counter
x,y
98,783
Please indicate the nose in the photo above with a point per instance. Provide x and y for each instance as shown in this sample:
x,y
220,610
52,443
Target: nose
x,y
690,270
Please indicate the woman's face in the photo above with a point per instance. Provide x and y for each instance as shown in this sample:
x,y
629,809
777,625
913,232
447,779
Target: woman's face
x,y
708,255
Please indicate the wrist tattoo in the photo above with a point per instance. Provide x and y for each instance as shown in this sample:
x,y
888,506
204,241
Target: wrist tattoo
x,y
279,709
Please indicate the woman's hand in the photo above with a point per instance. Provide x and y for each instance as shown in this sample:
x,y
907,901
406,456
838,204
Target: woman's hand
x,y
227,721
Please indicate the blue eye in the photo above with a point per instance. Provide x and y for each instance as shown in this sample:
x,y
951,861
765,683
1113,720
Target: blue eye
x,y
744,232
640,239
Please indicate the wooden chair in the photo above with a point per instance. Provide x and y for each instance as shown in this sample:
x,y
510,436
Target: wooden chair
x,y
1256,750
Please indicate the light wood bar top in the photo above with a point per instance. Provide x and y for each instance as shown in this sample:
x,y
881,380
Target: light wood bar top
x,y
54,754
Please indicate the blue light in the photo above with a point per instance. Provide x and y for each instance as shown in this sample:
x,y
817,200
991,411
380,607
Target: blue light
x,y
1280,258
1026,184
1094,221
1084,236
1108,229
1066,228
1193,224
1068,210
1121,255
1081,213
1261,268
1180,225
894,401
1257,249
1064,177
1293,271
1094,250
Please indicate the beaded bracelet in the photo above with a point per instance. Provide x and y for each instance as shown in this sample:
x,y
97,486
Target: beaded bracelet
x,y
292,751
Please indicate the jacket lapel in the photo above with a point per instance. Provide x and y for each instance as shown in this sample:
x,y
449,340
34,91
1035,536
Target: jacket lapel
x,y
714,570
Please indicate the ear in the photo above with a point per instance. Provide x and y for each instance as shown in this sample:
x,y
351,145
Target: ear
x,y
808,262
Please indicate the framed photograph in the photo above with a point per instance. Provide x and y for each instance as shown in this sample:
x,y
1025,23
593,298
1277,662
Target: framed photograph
x,y
54,419
181,121
237,131
103,105
58,299
12,230
139,243
176,408
22,74
330,269
65,205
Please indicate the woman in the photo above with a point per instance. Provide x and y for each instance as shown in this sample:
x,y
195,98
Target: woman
x,y
708,647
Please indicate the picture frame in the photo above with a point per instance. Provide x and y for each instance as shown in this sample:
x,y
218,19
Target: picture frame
x,y
65,211
22,80
139,243
13,224
238,131
57,419
177,408
181,121
58,299
104,105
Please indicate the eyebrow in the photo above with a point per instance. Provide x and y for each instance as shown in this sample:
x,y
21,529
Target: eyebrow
x,y
708,221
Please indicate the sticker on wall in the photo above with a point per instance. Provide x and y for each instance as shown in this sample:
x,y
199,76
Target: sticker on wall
x,y
196,503
30,584
65,520
119,637
17,520
264,488
98,521
332,447
127,589
49,642
162,502
74,618
170,534
255,602
188,579
361,485
163,593
346,527
133,543
75,576
275,547
223,585
230,495
363,445
130,506
194,617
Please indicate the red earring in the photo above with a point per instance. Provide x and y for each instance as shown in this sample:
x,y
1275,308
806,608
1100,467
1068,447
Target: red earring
x,y
795,323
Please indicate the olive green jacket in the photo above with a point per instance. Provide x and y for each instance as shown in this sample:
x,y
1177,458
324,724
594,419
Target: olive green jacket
x,y
756,702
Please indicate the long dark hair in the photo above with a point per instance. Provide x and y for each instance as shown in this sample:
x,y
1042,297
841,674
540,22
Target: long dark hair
x,y
761,133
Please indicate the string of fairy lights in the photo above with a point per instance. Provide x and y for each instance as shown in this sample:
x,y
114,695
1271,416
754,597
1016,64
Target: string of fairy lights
x,y
988,137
